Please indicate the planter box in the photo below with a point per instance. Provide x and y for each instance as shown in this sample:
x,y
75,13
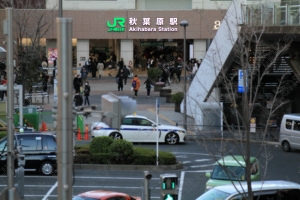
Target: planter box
x,y
164,92
177,107
169,98
158,86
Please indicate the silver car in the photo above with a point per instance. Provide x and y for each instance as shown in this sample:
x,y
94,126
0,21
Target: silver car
x,y
283,190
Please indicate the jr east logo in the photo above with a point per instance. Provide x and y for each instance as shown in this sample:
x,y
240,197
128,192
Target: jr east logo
x,y
117,26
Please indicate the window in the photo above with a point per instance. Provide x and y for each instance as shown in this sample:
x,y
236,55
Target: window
x,y
296,126
288,124
228,173
128,121
254,168
2,145
144,122
50,144
30,142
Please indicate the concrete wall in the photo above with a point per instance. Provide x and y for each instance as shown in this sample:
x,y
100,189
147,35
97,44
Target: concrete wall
x,y
199,49
82,51
126,51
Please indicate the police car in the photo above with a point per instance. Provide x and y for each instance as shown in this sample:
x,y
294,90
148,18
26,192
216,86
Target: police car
x,y
135,128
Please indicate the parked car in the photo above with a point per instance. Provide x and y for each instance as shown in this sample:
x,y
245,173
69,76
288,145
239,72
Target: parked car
x,y
289,134
231,168
135,128
263,190
39,149
104,195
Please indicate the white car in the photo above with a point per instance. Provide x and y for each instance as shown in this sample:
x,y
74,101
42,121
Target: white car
x,y
137,128
263,190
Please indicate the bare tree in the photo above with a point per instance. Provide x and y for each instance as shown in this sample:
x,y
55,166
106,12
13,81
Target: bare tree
x,y
31,22
238,63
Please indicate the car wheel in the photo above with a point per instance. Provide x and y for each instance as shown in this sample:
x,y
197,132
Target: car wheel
x,y
116,136
286,146
172,138
47,168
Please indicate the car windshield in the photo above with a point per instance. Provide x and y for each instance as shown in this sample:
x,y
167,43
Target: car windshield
x,y
83,198
233,173
3,142
213,194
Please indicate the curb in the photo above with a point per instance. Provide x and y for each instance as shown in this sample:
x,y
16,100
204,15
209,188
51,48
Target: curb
x,y
127,167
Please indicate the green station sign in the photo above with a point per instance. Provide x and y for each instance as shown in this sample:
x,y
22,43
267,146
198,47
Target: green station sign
x,y
117,26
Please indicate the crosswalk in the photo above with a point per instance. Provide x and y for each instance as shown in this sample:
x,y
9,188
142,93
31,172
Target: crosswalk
x,y
195,161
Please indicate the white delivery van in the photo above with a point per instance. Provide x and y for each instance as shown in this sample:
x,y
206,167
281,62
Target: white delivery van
x,y
289,135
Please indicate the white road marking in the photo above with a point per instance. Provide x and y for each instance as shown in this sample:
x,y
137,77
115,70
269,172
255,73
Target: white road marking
x,y
50,191
184,162
202,160
194,166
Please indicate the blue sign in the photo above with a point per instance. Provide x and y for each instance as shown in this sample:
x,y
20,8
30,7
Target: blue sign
x,y
241,87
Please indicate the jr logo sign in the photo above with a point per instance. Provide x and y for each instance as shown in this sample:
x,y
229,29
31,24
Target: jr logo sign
x,y
114,27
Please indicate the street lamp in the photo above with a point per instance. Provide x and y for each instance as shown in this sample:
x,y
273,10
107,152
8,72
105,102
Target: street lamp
x,y
184,23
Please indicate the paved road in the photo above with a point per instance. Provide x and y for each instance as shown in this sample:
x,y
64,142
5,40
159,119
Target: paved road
x,y
195,158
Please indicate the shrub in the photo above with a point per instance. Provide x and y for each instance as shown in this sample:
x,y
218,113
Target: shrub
x,y
154,74
123,149
82,159
82,149
177,97
105,158
2,134
100,144
144,156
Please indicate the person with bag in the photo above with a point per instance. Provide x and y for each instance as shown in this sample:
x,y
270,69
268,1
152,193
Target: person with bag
x,y
135,85
84,73
126,74
86,93
78,99
77,83
119,79
130,67
148,86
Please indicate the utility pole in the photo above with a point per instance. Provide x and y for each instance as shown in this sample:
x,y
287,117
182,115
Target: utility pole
x,y
8,31
64,117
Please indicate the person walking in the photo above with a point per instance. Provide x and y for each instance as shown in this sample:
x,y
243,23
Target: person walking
x,y
126,74
94,68
86,93
77,83
45,78
119,79
84,74
100,68
148,86
130,67
78,99
135,85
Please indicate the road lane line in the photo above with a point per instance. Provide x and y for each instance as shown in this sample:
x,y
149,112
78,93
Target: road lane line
x,y
50,191
181,185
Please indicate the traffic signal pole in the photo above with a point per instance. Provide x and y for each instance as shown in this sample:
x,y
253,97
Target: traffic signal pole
x,y
64,115
8,31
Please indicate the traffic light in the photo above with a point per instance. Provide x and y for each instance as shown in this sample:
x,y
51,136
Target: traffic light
x,y
168,187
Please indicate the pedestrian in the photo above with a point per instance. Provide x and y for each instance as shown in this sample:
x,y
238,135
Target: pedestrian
x,y
195,68
45,79
3,82
119,79
100,68
121,63
126,74
94,68
77,83
135,85
148,86
130,67
84,74
78,99
86,93
144,63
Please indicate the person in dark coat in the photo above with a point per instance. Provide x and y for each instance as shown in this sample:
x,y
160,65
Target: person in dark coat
x,y
78,99
126,73
121,63
45,79
93,69
120,77
77,83
148,86
86,92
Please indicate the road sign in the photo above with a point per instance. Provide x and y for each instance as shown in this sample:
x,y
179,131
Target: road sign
x,y
242,75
